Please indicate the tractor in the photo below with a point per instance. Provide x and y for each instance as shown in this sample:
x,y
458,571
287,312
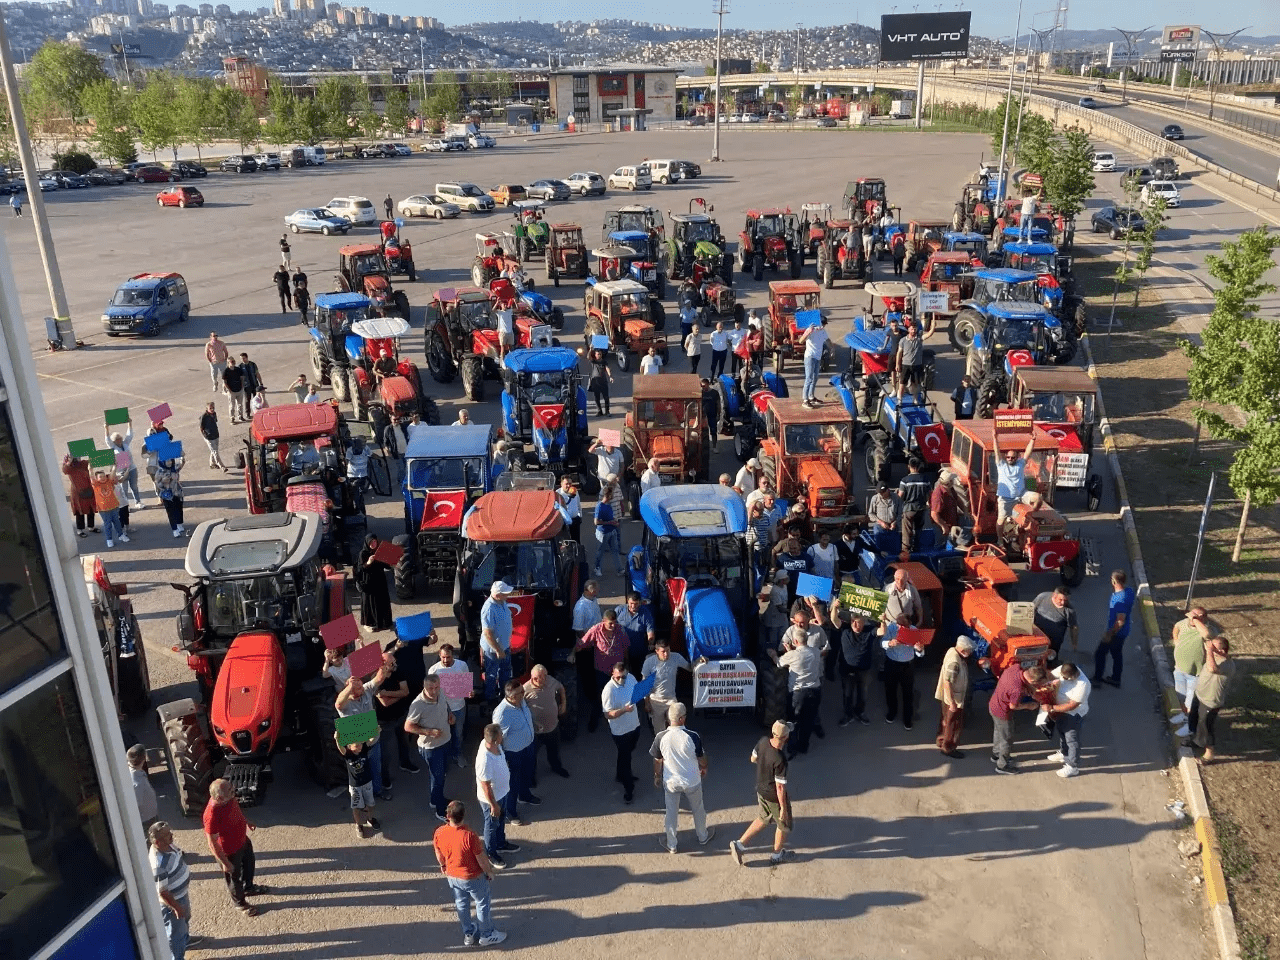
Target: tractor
x,y
362,268
446,469
923,238
770,238
666,424
623,319
329,330
522,538
974,244
1053,273
120,638
978,200
693,235
692,567
566,253
250,628
814,218
841,256
1037,534
529,233
866,197
999,641
635,217
491,260
462,336
793,306
529,306
397,253
1063,401
949,272
544,410
380,380
807,453
628,256
744,399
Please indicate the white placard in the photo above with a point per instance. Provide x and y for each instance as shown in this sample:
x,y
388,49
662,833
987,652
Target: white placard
x,y
540,335
724,683
934,301
1073,469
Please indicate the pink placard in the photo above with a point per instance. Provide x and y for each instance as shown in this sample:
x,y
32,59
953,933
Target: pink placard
x,y
611,438
365,661
455,686
162,412
339,633
122,461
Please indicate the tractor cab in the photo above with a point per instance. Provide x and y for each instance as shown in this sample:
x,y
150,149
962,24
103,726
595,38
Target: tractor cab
x,y
807,453
635,217
544,405
770,238
527,238
623,318
287,442
613,262
813,225
696,245
1063,401
492,259
383,378
794,305
362,268
333,344
974,244
866,195
1051,269
949,272
566,253
666,424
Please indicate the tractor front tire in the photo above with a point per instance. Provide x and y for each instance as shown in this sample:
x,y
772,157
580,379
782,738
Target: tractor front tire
x,y
401,303
430,412
797,264
1072,573
473,379
567,674
658,315
633,498
964,326
189,762
319,366
405,574
359,404
757,267
323,760
992,391
341,385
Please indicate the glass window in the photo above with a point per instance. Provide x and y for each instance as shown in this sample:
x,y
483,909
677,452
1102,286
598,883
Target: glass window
x,y
30,637
57,852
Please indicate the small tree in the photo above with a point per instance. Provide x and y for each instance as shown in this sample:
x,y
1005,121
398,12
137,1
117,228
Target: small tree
x,y
1068,179
337,98
1237,364
1153,217
396,111
154,115
309,122
196,111
795,99
113,134
55,81
281,114
236,117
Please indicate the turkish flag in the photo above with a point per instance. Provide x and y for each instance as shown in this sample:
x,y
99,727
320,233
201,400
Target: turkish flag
x,y
676,587
933,443
548,416
1051,554
443,510
521,606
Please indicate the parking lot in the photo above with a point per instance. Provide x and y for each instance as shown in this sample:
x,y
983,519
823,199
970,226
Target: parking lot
x,y
901,851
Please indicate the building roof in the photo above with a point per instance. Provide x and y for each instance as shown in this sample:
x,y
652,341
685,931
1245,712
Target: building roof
x,y
542,360
449,442
618,67
693,510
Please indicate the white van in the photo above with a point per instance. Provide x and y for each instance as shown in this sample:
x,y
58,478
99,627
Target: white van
x,y
665,171
315,156
631,178
467,196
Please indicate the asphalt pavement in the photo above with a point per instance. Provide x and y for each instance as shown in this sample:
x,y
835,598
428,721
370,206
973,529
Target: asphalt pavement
x,y
900,851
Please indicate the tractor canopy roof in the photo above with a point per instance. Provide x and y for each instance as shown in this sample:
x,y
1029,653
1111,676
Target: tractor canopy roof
x,y
566,227
949,256
509,516
705,250
252,545
693,510
982,433
690,218
953,236
794,288
1005,275
342,301
793,410
447,443
768,212
295,421
1017,310
528,206
359,249
615,251
669,386
1066,379
617,288
543,360
380,328
466,294
629,237
1031,249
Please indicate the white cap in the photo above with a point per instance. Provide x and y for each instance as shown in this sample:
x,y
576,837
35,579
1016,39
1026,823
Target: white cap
x,y
753,463
501,586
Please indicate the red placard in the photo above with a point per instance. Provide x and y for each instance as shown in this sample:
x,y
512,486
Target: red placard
x,y
365,661
1013,421
913,635
340,632
388,553
521,620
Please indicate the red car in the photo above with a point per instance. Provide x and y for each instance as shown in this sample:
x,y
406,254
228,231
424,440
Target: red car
x,y
180,197
153,175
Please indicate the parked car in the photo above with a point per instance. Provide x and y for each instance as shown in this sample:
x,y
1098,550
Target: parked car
x,y
1166,190
144,303
295,157
1116,221
239,164
466,195
481,141
357,210
751,118
316,220
435,145
105,177
131,169
631,178
507,193
180,197
268,161
68,180
664,171
586,184
548,190
696,121
689,170
1104,162
48,183
1172,131
826,121
402,150
457,144
1087,103
186,170
428,205
154,175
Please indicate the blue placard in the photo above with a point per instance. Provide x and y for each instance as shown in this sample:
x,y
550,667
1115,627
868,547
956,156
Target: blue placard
x,y
807,585
415,628
155,441
599,342
169,451
643,688
808,318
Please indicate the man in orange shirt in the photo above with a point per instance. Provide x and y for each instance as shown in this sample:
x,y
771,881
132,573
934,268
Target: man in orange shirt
x,y
462,860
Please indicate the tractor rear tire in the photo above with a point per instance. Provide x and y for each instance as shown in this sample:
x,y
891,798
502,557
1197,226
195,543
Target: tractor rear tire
x,y
658,315
478,277
473,378
1093,492
743,443
323,760
766,333
567,674
964,325
757,267
405,573
771,692
740,314
768,469
439,363
359,404
430,412
1072,573
662,287
557,317
877,458
189,762
341,385
724,427
133,681
401,302
828,274
1066,352
992,391
622,357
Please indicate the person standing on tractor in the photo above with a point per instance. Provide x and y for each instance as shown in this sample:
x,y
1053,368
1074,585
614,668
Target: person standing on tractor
x,y
736,337
1026,218
281,278
1011,479
910,359
773,796
952,690
815,340
570,502
1119,615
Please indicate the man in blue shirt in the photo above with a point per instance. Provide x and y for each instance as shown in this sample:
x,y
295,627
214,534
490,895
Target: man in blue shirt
x,y
513,715
1011,478
637,622
608,535
495,639
1119,616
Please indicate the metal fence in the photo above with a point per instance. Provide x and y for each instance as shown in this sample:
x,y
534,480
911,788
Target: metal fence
x,y
1250,123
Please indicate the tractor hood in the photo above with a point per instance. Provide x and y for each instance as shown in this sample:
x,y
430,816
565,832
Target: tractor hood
x,y
377,288
397,390
248,698
710,625
537,302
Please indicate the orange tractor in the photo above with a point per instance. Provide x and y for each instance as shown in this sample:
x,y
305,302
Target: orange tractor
x,y
666,424
807,453
1004,637
362,268
793,306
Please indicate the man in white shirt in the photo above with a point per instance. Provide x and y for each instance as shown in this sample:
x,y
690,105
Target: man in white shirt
x,y
804,664
143,792
824,556
1071,689
493,783
586,612
506,331
736,336
719,350
651,478
571,503
679,764
745,481
608,460
650,363
814,339
1026,218
464,419
664,665
448,663
624,725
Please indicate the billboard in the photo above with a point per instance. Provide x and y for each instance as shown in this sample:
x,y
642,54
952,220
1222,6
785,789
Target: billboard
x,y
924,36
1179,44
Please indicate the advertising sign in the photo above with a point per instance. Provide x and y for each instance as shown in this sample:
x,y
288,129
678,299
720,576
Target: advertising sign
x,y
724,683
1179,44
924,36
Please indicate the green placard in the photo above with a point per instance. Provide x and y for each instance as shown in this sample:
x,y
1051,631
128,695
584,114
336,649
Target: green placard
x,y
116,415
357,728
865,599
81,448
102,458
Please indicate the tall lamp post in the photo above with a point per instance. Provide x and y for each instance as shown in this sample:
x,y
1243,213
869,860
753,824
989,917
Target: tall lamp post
x,y
719,8
1131,37
1008,100
1220,45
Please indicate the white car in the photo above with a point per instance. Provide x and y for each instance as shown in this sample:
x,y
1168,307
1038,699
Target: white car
x,y
1104,162
1166,190
435,145
357,210
268,161
480,141
584,183
467,196
428,205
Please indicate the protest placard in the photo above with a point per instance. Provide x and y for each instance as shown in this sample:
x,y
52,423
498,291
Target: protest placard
x,y
358,728
724,683
102,458
807,585
455,685
388,553
340,632
416,627
115,415
865,599
643,688
365,661
159,413
81,448
611,438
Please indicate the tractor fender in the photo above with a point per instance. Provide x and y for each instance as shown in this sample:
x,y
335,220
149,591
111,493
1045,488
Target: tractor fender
x,y
319,337
775,384
509,415
638,571
537,303
846,395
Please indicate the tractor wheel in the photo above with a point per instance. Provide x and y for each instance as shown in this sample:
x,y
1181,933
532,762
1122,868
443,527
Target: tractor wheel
x,y
658,315
964,326
319,365
992,391
930,370
726,270
1080,316
1093,491
133,680
524,251
767,467
1066,351
757,267
323,760
404,569
797,264
567,674
828,359
704,461
359,403
1072,573
189,762
743,443
771,692
622,357
439,363
473,379
740,314
725,425
341,385
430,412
557,317
478,277
743,263
633,498
828,274
401,303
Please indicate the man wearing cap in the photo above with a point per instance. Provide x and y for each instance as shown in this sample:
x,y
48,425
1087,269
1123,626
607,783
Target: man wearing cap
x,y
884,509
772,794
495,639
745,481
944,508
953,688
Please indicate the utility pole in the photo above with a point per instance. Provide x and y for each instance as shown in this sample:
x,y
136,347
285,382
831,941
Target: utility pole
x,y
719,8
1008,100
1040,35
65,333
1131,38
1220,43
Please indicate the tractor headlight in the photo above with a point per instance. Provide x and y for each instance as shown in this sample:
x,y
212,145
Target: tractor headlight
x,y
265,725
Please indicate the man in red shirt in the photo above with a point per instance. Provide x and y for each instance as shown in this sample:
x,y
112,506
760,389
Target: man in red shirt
x,y
610,645
462,860
228,834
1014,684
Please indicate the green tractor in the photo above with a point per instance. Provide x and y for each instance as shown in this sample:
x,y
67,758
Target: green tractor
x,y
696,242
529,235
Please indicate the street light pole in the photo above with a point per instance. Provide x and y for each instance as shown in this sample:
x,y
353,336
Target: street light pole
x,y
1131,37
719,8
1219,47
1008,102
66,334
422,63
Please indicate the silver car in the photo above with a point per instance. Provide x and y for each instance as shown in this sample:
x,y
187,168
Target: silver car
x,y
548,190
428,205
587,183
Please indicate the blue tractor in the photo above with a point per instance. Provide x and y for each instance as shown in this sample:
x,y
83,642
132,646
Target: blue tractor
x,y
1053,272
334,347
446,469
544,407
639,255
976,245
743,400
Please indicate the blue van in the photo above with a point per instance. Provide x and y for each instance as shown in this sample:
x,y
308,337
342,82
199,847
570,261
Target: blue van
x,y
145,303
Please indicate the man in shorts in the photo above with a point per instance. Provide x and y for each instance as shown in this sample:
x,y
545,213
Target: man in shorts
x,y
360,786
772,795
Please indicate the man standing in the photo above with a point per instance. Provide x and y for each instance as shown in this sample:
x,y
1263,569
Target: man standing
x,y
169,868
608,460
570,502
1011,479
608,533
1013,684
911,359
215,351
814,339
804,681
746,480
679,764
914,493
1119,613
493,783
899,674
227,831
462,860
624,725
448,663
586,612
608,642
953,689
281,277
1026,218
233,387
513,716
788,556
719,350
772,795
357,697
965,398
495,639
209,430
651,479
736,336
650,363
884,508
252,381
302,300
544,696
944,508
15,201
1189,637
430,719
774,618
1210,695
662,665
904,606
856,639
637,623
1071,691
1056,617
143,792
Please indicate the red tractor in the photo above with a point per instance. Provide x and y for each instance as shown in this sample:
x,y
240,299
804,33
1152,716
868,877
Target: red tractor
x,y
793,305
867,197
984,607
462,336
362,268
770,238
666,424
250,627
813,226
566,253
381,380
949,272
491,260
397,253
841,256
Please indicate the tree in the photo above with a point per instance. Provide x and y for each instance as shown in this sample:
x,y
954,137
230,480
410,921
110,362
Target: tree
x,y
235,116
445,99
368,119
196,111
1237,364
795,99
1153,221
1068,180
1036,147
309,122
396,111
282,109
154,114
111,108
338,97
56,79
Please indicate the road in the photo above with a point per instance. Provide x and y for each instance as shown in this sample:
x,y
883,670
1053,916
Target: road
x,y
895,842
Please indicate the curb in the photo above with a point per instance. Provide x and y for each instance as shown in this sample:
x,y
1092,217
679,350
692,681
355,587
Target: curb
x,y
1215,883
